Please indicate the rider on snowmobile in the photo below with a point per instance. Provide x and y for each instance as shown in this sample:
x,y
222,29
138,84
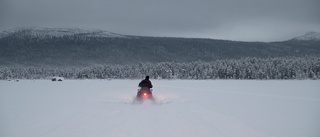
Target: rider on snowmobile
x,y
146,83
145,91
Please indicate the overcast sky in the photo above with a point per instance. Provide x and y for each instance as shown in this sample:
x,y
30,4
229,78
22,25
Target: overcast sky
x,y
245,20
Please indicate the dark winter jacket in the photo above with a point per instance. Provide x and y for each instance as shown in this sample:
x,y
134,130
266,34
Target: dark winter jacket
x,y
145,83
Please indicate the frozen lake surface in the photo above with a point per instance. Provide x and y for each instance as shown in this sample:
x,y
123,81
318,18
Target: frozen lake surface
x,y
183,108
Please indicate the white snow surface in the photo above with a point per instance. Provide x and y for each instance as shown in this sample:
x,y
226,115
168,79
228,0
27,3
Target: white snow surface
x,y
183,108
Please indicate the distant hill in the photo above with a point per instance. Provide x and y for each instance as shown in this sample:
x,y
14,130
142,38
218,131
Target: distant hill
x,y
62,47
315,36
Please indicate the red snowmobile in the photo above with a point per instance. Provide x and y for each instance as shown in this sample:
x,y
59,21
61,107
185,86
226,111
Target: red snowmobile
x,y
144,93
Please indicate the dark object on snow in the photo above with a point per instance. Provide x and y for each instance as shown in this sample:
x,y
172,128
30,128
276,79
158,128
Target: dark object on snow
x,y
57,79
146,83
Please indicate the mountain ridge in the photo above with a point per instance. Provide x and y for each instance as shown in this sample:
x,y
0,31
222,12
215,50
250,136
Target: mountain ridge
x,y
312,35
59,32
78,47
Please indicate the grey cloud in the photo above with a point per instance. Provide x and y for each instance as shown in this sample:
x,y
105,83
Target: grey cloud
x,y
182,18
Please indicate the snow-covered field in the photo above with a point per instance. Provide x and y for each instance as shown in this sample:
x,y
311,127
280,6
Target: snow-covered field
x,y
183,108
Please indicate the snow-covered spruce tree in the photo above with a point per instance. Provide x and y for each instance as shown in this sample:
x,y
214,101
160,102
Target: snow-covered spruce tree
x,y
245,68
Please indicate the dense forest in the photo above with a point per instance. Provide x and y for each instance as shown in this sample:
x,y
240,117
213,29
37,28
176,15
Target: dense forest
x,y
245,68
23,47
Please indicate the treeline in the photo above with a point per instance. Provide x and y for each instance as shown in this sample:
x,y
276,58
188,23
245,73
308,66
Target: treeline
x,y
246,68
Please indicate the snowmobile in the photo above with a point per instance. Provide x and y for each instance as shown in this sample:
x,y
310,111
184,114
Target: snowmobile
x,y
144,93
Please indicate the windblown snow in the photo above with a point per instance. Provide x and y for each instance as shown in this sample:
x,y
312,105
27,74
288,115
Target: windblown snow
x,y
183,108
